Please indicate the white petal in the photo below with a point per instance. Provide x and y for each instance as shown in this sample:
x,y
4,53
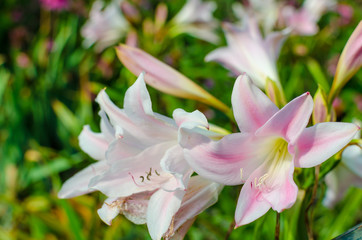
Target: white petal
x,y
161,209
78,184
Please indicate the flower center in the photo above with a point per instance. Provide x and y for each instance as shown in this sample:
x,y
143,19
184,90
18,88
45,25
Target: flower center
x,y
275,162
152,175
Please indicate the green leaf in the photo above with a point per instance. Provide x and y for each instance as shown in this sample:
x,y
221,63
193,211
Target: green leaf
x,y
74,222
317,73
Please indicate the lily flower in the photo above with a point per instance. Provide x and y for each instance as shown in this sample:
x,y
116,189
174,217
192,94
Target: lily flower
x,y
263,156
140,159
348,173
265,12
248,52
105,26
196,19
349,62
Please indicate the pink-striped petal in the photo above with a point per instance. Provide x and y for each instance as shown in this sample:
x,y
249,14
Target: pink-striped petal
x,y
252,108
349,62
251,204
318,143
228,161
291,120
282,192
161,209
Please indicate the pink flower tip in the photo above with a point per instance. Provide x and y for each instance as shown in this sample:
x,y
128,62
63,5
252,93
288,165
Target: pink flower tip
x,y
308,93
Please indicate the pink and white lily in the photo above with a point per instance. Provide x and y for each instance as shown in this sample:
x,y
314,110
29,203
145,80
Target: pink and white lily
x,y
141,164
263,156
105,26
248,52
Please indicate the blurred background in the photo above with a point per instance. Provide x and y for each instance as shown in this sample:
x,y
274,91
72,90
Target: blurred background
x,y
52,67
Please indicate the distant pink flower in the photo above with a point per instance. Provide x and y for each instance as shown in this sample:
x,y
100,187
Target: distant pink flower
x,y
55,4
247,51
299,20
346,12
263,156
106,25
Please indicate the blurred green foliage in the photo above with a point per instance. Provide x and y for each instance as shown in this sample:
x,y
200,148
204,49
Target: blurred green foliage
x,y
48,83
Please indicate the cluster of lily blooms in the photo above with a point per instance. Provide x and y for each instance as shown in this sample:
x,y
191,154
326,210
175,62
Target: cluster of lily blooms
x,y
147,162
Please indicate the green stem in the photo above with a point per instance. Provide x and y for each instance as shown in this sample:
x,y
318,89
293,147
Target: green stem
x,y
277,227
309,207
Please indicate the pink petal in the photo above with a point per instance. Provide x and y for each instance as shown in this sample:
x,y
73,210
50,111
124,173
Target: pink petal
x,y
227,57
228,161
161,209
290,121
94,144
78,184
251,204
320,142
252,108
283,191
349,62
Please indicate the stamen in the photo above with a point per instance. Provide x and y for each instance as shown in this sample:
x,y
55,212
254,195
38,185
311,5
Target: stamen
x,y
143,178
262,179
241,173
149,174
157,173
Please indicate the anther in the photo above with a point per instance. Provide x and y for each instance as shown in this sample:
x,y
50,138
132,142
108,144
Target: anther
x,y
149,174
